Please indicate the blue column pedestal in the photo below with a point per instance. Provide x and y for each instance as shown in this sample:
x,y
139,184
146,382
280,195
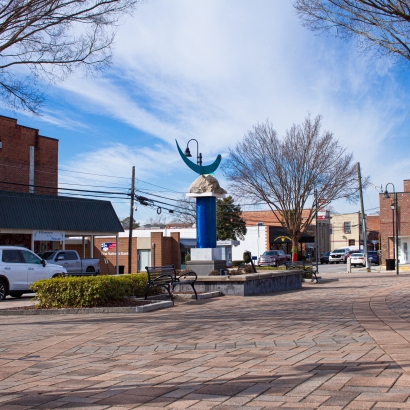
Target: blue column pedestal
x,y
206,222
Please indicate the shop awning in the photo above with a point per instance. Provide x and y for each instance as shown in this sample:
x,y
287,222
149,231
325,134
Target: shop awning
x,y
57,213
278,234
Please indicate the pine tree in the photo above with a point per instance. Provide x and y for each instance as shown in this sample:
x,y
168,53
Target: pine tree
x,y
229,222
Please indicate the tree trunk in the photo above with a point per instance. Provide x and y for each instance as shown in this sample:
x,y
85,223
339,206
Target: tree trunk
x,y
294,249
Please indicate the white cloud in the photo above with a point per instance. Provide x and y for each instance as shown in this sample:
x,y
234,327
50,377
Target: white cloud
x,y
212,69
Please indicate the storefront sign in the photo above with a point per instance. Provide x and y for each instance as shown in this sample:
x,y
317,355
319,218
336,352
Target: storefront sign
x,y
48,235
108,246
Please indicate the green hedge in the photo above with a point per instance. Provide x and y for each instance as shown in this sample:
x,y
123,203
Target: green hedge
x,y
87,291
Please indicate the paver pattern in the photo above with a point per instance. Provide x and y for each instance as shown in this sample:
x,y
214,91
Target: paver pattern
x,y
334,345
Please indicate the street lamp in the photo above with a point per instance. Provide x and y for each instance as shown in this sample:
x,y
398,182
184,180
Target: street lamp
x,y
395,209
198,155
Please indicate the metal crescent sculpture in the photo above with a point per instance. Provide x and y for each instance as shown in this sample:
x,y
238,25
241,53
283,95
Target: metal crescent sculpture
x,y
200,169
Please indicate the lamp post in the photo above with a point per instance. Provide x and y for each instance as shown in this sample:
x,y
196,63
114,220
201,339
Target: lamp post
x,y
392,206
395,208
198,154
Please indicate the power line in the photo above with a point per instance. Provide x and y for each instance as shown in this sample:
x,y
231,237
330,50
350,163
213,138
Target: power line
x,y
65,189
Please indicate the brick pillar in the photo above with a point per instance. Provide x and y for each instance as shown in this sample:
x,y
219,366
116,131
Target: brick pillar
x,y
176,249
157,239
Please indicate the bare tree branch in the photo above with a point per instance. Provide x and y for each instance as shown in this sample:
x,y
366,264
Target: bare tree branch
x,y
52,38
284,173
381,26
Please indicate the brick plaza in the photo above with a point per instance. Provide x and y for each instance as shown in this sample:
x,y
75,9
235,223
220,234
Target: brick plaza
x,y
335,345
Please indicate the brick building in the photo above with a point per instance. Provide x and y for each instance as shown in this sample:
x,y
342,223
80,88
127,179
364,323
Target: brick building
x,y
153,250
270,233
386,224
28,160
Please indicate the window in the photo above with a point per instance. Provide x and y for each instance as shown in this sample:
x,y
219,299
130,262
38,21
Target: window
x,y
61,257
71,256
346,227
31,258
352,242
11,256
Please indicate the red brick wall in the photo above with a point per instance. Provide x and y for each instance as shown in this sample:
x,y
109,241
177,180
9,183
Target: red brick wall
x,y
15,158
406,184
266,217
386,221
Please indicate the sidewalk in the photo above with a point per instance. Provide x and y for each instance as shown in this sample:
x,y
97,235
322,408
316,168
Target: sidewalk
x,y
337,345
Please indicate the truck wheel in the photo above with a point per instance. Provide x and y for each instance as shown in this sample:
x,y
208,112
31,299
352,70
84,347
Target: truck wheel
x,y
3,290
90,269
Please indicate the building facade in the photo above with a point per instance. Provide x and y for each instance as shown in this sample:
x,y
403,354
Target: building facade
x,y
28,160
387,224
346,230
266,231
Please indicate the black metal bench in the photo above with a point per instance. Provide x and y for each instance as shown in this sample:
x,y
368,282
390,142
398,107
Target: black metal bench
x,y
306,266
167,277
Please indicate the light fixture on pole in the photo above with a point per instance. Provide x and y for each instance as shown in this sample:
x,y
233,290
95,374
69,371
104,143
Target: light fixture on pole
x,y
395,208
198,154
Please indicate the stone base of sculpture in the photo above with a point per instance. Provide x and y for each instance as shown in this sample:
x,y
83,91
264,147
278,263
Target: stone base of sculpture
x,y
205,260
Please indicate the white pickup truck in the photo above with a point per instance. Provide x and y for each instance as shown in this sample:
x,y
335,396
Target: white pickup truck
x,y
72,262
20,268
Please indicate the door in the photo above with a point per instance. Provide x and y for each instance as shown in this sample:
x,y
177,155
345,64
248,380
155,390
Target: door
x,y
35,269
15,269
144,259
74,262
62,259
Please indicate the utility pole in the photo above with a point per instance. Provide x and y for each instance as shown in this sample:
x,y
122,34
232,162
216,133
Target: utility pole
x,y
131,220
317,234
359,175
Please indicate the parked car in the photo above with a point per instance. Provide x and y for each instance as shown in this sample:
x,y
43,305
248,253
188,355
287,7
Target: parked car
x,y
325,258
338,255
272,258
72,262
357,259
20,268
373,257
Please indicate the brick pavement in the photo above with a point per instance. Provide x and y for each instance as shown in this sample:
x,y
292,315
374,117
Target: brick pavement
x,y
336,345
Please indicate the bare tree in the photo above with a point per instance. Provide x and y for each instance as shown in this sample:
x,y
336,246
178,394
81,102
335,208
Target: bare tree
x,y
185,211
379,25
159,221
51,39
284,173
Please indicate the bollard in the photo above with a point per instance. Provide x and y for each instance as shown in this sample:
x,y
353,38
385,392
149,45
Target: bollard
x,y
349,265
369,264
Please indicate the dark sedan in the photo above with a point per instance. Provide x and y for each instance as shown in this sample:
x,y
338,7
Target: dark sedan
x,y
373,257
325,258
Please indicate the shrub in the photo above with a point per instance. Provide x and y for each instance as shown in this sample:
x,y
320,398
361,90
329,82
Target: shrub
x,y
87,291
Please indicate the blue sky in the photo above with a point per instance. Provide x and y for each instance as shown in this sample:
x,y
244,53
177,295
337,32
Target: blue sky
x,y
210,70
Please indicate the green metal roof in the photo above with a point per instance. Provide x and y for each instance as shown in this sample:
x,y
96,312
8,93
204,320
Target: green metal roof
x,y
59,213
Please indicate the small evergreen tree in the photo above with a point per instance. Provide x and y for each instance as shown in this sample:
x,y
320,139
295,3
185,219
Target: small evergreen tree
x,y
229,222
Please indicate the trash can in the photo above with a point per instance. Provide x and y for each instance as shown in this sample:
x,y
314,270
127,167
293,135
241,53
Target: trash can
x,y
121,269
390,264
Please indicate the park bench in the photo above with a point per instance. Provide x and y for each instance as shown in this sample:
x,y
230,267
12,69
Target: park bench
x,y
306,266
167,278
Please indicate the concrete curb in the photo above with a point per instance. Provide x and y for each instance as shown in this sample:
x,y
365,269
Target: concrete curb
x,y
130,309
206,295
